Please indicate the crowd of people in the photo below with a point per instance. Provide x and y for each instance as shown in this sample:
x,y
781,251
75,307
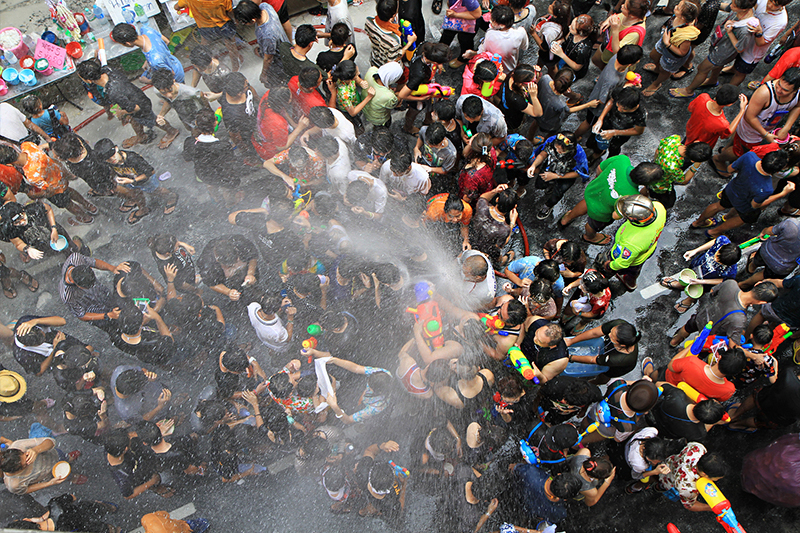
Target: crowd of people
x,y
407,334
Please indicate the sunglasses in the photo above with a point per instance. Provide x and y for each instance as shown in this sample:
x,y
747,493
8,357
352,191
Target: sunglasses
x,y
563,139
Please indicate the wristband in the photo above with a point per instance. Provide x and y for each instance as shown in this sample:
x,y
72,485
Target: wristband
x,y
758,35
290,419
27,247
251,359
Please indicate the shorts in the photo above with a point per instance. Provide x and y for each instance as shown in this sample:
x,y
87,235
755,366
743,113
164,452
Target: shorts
x,y
669,61
741,147
749,217
758,261
147,121
218,33
283,13
667,199
744,67
596,224
149,185
61,199
770,316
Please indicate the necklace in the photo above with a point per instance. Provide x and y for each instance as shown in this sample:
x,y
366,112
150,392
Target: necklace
x,y
711,369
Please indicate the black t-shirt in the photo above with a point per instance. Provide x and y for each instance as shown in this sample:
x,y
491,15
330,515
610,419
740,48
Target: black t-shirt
x,y
240,118
538,355
35,233
93,170
134,469
132,166
580,52
419,73
389,505
212,271
512,104
327,59
781,402
623,121
154,348
620,363
671,418
182,260
85,428
214,161
29,360
125,94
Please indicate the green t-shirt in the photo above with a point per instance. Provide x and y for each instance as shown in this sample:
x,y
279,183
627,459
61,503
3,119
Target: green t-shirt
x,y
379,110
634,244
613,183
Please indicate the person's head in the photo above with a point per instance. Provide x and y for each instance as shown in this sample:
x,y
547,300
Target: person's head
x,y
732,361
565,486
687,10
124,34
569,254
307,386
627,99
380,383
513,313
594,282
306,284
727,94
356,193
280,386
503,17
438,53
548,270
327,147
321,117
510,390
453,208
636,8
764,292
210,411
637,209
472,109
234,84
270,303
698,152
12,461
474,268
31,105
233,360
445,110
130,319
709,411
163,80
656,450
761,336
788,84
382,141
728,254
468,365
131,381
309,78
523,75
563,80
641,396
345,71
776,6
625,334
400,163
12,214
206,121
305,35
435,134
116,441
562,13
775,161
148,432
743,5
567,393
387,273
598,467
28,524
8,155
162,243
386,10
630,54
583,25
201,57
34,337
548,335
69,146
381,478
540,291
340,33
712,466
523,149
83,276
334,480
247,12
566,143
81,405
107,151
89,70
646,173
485,72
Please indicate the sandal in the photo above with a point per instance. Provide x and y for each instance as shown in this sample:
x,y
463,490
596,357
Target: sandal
x,y
130,142
537,140
24,257
125,207
602,242
682,73
794,213
79,221
170,207
670,283
753,85
675,94
709,223
681,307
168,139
650,92
92,210
647,361
29,281
8,289
136,216
165,491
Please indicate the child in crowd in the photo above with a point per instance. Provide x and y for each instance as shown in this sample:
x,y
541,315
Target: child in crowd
x,y
344,85
52,120
592,302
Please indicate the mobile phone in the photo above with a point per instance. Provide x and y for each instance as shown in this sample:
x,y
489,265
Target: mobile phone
x,y
142,304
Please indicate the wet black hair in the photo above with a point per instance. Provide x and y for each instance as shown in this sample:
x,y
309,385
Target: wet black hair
x,y
163,78
34,337
211,411
380,383
270,303
733,361
130,318
438,371
453,202
89,70
445,109
200,56
472,106
206,121
540,290
387,273
627,97
400,162
23,525
517,313
777,160
762,334
565,485
12,460
712,465
727,94
340,33
509,387
792,77
547,269
629,54
234,84
162,243
562,436
148,432
68,146
627,334
305,35
225,253
124,33
656,449
344,71
442,441
386,9
646,173
326,146
235,360
572,390
382,140
642,395
309,77
523,149
698,152
307,385
131,381
729,254
247,12
503,15
766,291
435,133
357,192
30,106
83,276
436,52
563,80
105,148
321,117
709,411
280,386
381,476
598,467
333,478
116,441
7,155
81,405
485,71
306,284
594,282
316,447
506,200
569,253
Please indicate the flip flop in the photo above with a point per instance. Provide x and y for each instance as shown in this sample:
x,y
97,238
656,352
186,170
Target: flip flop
x,y
170,207
683,73
668,283
28,281
647,93
125,207
675,94
647,361
136,216
753,85
130,142
681,307
93,210
76,221
436,7
602,242
8,290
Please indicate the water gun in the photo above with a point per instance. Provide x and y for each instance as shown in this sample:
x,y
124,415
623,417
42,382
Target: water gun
x,y
719,504
101,52
427,312
779,334
488,88
498,400
522,364
434,89
697,345
467,131
218,114
399,470
634,78
300,198
492,323
512,163
407,32
751,242
696,397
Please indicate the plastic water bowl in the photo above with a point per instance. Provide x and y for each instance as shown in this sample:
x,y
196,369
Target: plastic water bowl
x,y
685,278
74,50
60,244
27,76
42,67
10,75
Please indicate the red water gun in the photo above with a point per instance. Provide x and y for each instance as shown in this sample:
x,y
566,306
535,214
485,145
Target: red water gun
x,y
779,334
492,323
427,313
512,163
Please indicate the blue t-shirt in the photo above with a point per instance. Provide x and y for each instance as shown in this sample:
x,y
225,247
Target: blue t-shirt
x,y
531,490
159,55
708,268
44,121
748,184
508,145
524,269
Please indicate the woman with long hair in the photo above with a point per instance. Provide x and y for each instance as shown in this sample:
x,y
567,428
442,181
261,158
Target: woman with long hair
x,y
271,134
518,96
477,174
551,28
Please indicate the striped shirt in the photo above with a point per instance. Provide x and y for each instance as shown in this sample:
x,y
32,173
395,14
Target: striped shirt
x,y
386,46
81,301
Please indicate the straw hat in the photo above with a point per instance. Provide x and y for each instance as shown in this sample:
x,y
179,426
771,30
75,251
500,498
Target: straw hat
x,y
12,386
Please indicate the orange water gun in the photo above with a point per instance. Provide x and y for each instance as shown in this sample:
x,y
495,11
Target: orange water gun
x,y
696,397
427,313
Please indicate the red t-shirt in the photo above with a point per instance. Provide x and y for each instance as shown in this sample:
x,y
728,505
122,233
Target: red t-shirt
x,y
691,371
703,126
789,59
305,101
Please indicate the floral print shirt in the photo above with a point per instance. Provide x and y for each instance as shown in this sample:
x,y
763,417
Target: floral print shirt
x,y
670,161
683,473
41,172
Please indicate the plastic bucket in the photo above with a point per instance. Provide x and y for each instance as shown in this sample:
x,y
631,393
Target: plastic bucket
x,y
3,88
19,49
49,36
42,67
60,244
10,75
27,76
685,278
26,62
80,18
74,50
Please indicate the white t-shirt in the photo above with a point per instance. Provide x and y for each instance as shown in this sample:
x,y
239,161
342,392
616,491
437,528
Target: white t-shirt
x,y
339,13
772,24
344,130
632,455
508,43
377,193
415,181
478,295
338,170
271,333
12,122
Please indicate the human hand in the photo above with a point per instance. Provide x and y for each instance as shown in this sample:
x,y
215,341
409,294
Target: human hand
x,y
729,25
450,13
370,91
358,210
234,295
412,38
30,456
614,22
688,255
593,103
54,235
123,267
465,245
114,313
58,480
33,253
250,397
165,396
151,376
531,171
170,271
303,123
291,311
662,470
88,376
769,138
26,327
249,280
166,426
389,446
160,120
349,51
555,48
755,28
608,134
788,188
598,127
742,102
549,176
